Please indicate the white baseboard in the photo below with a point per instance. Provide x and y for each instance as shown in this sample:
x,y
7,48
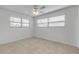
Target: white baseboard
x,y
14,40
64,42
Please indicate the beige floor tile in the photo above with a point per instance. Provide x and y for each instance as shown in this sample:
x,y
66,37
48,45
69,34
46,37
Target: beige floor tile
x,y
37,46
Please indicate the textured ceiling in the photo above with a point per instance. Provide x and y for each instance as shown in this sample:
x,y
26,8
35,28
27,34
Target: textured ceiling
x,y
27,9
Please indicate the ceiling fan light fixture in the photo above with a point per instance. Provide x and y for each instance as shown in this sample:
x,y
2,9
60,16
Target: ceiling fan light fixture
x,y
35,12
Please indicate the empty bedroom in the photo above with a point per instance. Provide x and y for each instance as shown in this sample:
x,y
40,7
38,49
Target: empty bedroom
x,y
39,29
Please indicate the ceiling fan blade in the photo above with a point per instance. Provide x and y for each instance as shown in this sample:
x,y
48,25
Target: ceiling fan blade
x,y
43,7
35,6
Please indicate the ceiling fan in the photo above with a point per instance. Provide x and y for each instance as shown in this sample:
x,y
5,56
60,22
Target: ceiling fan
x,y
37,9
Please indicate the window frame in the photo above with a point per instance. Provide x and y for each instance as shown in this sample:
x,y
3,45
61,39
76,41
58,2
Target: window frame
x,y
42,23
19,22
57,21
25,23
60,21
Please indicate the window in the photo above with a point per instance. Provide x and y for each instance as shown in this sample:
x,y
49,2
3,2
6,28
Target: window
x,y
57,21
42,22
18,22
25,23
15,22
57,24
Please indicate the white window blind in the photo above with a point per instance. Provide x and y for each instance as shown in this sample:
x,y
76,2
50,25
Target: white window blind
x,y
58,21
42,22
57,18
18,22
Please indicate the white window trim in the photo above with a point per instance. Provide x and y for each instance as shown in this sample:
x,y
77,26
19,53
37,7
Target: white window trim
x,y
62,21
21,26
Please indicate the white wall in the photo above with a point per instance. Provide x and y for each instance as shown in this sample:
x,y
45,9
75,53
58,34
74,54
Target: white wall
x,y
77,28
8,34
68,34
60,34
